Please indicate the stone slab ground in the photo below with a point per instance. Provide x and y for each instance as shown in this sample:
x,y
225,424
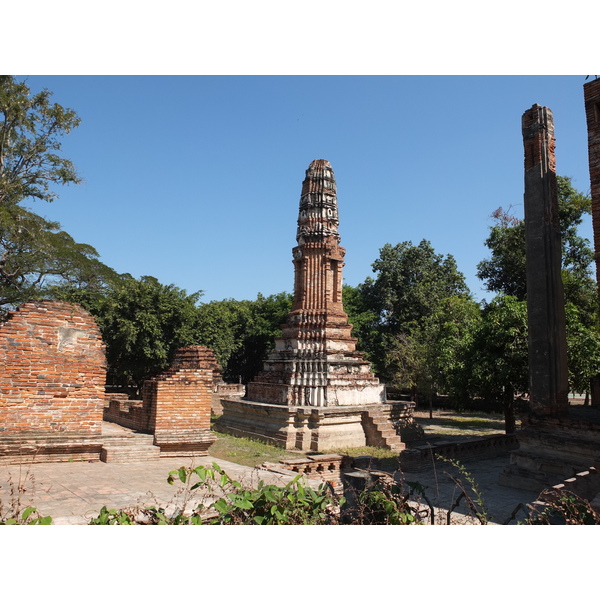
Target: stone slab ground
x,y
73,493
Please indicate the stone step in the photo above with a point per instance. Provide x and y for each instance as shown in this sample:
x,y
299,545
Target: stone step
x,y
137,439
384,429
125,454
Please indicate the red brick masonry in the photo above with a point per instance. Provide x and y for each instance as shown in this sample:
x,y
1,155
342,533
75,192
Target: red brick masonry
x,y
175,405
52,371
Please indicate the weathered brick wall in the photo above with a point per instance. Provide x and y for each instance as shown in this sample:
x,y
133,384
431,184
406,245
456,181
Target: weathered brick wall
x,y
123,411
180,398
225,391
53,371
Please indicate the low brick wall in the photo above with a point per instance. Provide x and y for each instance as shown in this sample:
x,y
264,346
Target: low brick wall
x,y
121,410
225,391
419,458
585,484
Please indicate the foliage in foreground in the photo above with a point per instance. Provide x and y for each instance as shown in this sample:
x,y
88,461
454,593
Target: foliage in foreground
x,y
208,496
565,508
293,504
227,502
14,512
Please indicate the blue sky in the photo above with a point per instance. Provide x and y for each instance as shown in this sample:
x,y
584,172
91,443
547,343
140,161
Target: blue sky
x,y
196,180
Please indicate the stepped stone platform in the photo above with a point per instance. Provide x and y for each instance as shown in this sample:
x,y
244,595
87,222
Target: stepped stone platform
x,y
123,445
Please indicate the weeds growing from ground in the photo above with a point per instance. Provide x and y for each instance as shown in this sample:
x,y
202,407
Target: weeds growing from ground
x,y
564,508
14,512
227,502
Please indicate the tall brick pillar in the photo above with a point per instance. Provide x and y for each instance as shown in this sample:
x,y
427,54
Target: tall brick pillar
x,y
545,297
555,441
591,93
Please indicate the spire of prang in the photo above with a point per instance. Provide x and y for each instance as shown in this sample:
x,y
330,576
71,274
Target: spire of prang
x,y
318,214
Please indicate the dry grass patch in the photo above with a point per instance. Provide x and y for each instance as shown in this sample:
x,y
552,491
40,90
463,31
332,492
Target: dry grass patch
x,y
247,452
453,425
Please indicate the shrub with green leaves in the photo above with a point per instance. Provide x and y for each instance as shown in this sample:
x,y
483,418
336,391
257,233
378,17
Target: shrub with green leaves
x,y
292,504
565,508
29,516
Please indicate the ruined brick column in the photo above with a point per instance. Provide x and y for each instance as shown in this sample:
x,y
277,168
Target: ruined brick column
x,y
555,441
178,403
591,93
545,298
315,362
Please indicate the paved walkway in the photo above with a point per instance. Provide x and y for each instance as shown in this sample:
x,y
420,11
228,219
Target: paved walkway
x,y
499,502
73,493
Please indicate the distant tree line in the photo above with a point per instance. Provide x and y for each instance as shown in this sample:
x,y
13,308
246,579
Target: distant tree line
x,y
415,319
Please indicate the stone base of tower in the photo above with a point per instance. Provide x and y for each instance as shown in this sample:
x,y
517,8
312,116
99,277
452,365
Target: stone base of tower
x,y
552,449
316,429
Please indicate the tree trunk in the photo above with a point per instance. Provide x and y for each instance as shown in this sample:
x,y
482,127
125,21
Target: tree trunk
x,y
509,410
415,397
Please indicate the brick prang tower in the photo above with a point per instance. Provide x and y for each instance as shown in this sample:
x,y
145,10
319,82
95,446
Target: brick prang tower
x,y
315,362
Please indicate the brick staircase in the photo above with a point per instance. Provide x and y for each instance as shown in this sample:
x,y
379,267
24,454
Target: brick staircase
x,y
379,429
130,447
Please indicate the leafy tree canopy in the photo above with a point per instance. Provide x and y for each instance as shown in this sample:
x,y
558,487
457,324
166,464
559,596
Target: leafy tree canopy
x,y
30,131
504,272
394,314
241,332
143,323
411,282
35,254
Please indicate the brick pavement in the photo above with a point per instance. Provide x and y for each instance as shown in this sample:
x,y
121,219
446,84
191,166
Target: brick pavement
x,y
499,501
72,493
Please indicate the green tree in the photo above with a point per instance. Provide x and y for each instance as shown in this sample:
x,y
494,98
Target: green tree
x,y
494,363
263,325
242,332
363,317
143,323
583,351
30,131
446,335
35,254
219,326
504,271
393,310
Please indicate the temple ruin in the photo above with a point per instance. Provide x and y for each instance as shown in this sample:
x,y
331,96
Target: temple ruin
x,y
175,406
316,392
53,404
